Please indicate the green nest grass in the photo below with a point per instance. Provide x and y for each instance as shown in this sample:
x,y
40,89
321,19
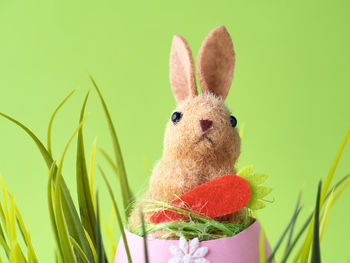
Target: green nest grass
x,y
199,225
81,236
193,228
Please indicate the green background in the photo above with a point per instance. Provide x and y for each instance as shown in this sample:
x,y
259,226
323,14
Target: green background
x,y
291,91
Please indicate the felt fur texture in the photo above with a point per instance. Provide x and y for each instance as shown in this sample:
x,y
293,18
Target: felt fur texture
x,y
182,70
215,63
192,156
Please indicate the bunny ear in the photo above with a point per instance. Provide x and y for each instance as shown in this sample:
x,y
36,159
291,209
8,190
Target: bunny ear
x,y
215,63
182,78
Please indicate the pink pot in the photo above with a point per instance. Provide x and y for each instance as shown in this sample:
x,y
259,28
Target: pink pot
x,y
242,248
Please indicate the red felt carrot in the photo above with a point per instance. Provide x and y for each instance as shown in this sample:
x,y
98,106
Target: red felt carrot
x,y
221,196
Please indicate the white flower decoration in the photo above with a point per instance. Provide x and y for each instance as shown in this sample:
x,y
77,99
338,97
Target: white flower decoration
x,y
188,252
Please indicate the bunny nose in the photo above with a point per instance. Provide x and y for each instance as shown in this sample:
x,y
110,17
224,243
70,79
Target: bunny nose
x,y
205,124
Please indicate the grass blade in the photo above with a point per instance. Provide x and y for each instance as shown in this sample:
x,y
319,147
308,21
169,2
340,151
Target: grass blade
x,y
79,250
262,246
86,208
334,167
332,201
290,224
2,214
25,234
3,243
308,239
109,230
293,224
144,235
50,198
326,213
46,155
67,247
292,245
6,210
119,219
71,215
110,162
13,223
147,165
49,147
93,249
73,222
341,191
92,172
342,182
118,156
16,254
115,169
316,251
99,243
11,218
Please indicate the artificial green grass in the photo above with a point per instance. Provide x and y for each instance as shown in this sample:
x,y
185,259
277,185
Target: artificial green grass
x,y
200,226
77,235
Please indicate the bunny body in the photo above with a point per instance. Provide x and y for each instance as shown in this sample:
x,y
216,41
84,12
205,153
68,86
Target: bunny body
x,y
201,142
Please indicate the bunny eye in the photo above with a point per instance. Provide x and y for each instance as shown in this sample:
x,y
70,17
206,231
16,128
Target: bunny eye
x,y
233,121
176,117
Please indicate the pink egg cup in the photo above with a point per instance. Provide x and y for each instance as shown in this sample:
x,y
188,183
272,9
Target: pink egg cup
x,y
241,248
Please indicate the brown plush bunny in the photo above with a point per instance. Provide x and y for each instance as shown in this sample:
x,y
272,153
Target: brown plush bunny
x,y
201,142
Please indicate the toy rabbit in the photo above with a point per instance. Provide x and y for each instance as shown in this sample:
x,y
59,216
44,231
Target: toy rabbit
x,y
201,141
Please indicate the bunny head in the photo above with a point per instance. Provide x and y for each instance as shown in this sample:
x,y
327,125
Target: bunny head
x,y
201,127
